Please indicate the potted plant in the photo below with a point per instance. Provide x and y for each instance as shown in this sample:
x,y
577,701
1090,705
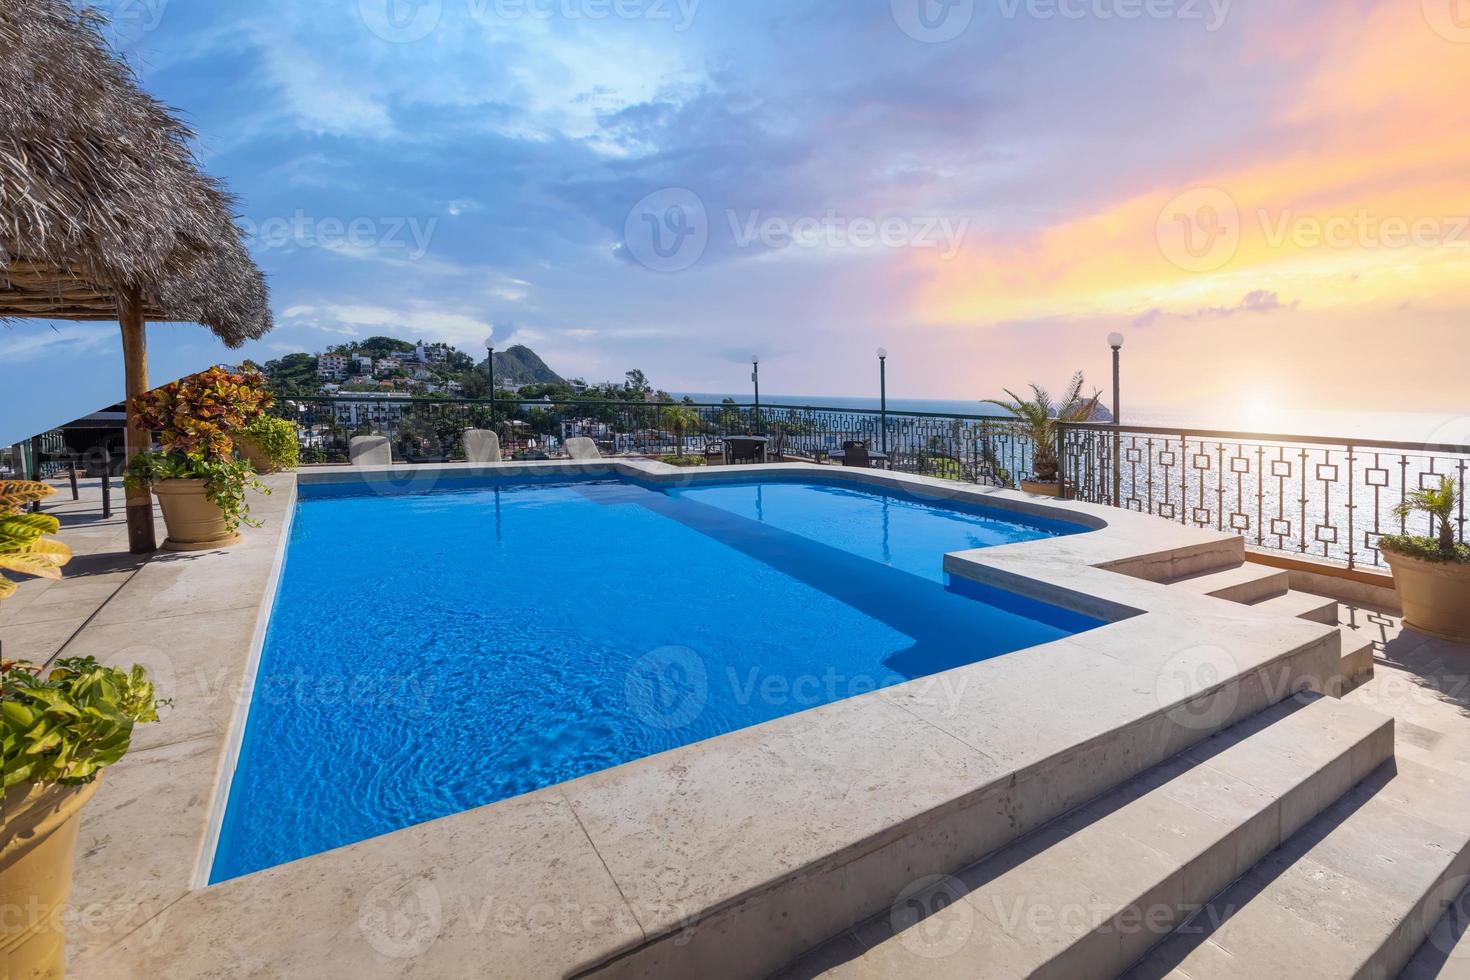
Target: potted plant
x,y
1432,575
58,731
272,445
1036,419
26,546
199,482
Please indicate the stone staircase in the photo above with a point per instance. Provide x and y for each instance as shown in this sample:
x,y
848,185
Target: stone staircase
x,y
1292,844
1269,590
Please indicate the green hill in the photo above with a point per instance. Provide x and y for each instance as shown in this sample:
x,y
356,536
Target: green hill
x,y
521,366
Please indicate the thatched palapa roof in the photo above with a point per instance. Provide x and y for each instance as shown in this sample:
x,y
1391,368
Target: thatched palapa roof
x,y
100,192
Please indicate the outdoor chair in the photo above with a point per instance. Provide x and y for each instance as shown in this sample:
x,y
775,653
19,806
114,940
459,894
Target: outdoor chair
x,y
714,452
746,451
481,446
580,447
856,454
370,451
776,448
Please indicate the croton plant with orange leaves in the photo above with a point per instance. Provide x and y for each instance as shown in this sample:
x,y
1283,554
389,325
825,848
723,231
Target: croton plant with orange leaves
x,y
200,415
196,420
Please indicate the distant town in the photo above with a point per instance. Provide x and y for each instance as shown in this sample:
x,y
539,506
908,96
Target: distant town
x,y
386,367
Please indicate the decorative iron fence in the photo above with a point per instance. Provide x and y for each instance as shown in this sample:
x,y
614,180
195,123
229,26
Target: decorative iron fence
x,y
1318,498
977,449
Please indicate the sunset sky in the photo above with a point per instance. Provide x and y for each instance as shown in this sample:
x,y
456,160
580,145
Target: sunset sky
x,y
1271,200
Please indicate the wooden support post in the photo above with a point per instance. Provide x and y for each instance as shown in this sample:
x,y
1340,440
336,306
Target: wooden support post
x,y
141,539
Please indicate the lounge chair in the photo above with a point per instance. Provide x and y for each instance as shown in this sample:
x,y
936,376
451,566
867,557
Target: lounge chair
x,y
580,447
481,446
370,451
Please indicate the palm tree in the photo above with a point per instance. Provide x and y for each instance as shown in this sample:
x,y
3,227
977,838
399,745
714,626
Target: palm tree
x,y
679,419
1439,504
1037,418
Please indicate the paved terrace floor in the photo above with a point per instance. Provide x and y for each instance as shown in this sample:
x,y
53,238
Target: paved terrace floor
x,y
1423,682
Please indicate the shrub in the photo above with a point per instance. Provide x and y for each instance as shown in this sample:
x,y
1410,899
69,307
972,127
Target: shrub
x,y
277,439
685,461
25,543
72,723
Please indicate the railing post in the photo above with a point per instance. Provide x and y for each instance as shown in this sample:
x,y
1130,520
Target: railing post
x,y
1062,460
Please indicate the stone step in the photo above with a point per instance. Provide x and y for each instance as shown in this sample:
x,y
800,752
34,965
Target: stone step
x,y
1353,894
1090,893
1300,605
1357,659
1245,583
1445,954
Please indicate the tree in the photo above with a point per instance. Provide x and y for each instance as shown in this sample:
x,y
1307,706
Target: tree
x,y
679,419
637,382
1037,419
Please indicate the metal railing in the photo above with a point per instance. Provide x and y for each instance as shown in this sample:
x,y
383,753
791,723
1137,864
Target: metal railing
x,y
977,449
1315,497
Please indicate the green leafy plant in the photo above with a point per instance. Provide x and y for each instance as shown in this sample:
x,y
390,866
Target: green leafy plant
x,y
70,724
25,543
678,419
277,439
1037,417
197,419
1439,503
683,461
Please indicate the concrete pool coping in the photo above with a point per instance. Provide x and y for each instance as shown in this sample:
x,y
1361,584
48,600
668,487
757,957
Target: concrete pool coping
x,y
673,861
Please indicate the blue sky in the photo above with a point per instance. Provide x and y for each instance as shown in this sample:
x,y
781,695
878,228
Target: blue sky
x,y
981,189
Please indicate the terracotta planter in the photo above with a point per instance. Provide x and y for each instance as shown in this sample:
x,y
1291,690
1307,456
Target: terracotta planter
x,y
195,523
1435,595
250,449
41,824
1053,489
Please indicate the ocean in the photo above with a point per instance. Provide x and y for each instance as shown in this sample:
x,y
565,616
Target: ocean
x,y
1412,427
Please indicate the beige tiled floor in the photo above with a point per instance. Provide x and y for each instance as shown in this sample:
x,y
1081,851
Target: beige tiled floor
x,y
43,615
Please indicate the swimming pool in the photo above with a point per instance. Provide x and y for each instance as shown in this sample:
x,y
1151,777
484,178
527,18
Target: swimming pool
x,y
432,652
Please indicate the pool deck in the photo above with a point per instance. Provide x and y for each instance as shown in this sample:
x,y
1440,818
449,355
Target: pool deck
x,y
669,864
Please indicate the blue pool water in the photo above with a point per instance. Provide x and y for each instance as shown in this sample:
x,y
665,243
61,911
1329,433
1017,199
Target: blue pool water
x,y
433,652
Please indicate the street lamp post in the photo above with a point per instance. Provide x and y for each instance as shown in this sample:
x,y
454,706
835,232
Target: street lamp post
x,y
755,379
490,366
883,395
1115,341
